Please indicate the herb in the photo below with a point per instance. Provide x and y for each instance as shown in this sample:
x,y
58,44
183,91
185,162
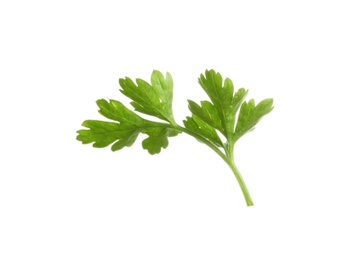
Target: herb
x,y
208,121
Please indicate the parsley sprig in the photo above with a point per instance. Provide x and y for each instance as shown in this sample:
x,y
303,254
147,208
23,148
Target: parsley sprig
x,y
207,123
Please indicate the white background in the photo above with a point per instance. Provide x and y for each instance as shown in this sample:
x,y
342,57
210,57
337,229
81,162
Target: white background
x,y
60,199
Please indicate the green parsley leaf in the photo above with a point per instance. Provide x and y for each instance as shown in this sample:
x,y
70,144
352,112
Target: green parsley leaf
x,y
158,138
200,127
225,101
154,99
250,114
221,113
208,113
125,132
208,123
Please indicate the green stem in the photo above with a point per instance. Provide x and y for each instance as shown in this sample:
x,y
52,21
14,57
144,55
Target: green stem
x,y
231,162
229,159
241,182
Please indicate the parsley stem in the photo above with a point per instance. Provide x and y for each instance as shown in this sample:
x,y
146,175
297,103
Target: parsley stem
x,y
229,149
229,159
241,182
